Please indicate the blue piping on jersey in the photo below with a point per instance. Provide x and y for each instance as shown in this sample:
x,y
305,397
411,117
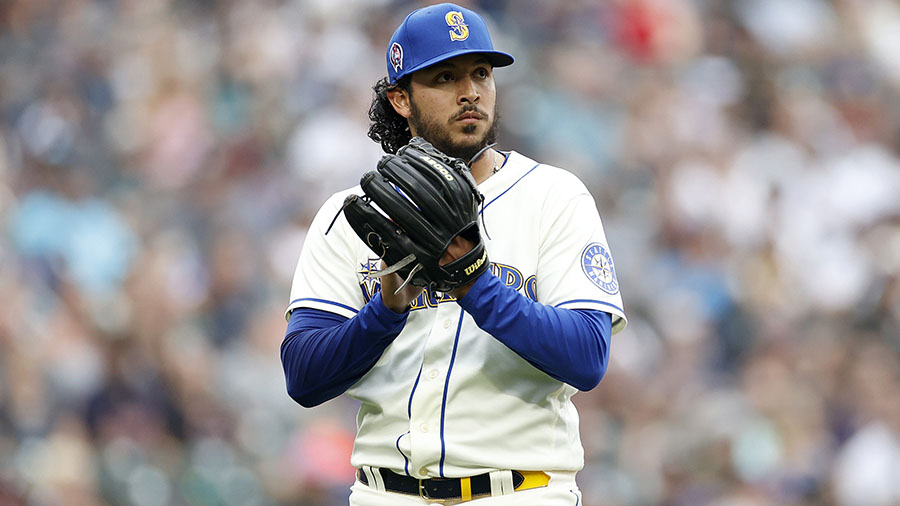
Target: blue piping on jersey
x,y
510,188
447,385
577,499
348,308
409,415
592,302
405,460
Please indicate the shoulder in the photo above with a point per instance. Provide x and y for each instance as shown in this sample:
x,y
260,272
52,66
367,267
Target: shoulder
x,y
329,209
548,178
336,200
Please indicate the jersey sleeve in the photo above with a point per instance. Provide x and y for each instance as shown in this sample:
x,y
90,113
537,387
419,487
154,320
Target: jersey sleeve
x,y
326,274
575,264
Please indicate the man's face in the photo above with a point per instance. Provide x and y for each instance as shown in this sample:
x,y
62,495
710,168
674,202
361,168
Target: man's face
x,y
453,105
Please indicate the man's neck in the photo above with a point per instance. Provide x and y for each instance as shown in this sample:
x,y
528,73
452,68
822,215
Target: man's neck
x,y
483,168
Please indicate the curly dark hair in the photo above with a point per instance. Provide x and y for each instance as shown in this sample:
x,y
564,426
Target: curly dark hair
x,y
388,128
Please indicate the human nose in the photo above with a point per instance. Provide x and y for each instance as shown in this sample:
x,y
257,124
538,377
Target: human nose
x,y
468,92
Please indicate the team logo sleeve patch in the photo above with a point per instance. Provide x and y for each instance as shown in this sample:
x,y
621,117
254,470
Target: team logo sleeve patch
x,y
597,264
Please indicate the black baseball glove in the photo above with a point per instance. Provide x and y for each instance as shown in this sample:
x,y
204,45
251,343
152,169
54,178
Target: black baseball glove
x,y
415,204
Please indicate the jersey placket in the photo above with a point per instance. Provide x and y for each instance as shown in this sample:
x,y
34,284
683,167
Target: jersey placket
x,y
426,437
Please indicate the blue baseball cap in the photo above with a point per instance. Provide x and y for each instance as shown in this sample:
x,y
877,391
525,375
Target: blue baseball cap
x,y
436,33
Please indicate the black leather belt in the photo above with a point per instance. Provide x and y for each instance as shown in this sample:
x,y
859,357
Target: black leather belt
x,y
442,489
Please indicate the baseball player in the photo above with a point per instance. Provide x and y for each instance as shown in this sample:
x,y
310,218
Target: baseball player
x,y
466,393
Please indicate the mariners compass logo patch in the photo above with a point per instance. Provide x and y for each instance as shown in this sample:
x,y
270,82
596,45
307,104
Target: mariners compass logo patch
x,y
597,264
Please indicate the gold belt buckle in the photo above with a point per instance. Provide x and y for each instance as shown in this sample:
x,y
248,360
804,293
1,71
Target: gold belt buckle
x,y
423,495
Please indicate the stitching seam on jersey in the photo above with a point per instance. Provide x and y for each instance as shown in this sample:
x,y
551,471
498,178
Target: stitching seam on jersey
x,y
446,386
510,188
591,301
324,302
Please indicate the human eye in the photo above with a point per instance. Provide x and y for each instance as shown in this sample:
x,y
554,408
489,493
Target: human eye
x,y
443,77
482,72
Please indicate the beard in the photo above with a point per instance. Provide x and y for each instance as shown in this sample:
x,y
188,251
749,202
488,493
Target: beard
x,y
438,134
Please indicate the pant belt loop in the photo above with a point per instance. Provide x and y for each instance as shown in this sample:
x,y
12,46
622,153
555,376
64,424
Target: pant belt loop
x,y
375,479
465,485
501,483
379,479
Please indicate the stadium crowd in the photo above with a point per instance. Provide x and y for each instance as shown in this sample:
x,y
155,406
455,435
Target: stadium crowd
x,y
161,160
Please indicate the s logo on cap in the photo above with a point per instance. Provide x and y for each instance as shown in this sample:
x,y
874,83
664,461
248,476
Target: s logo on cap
x,y
459,30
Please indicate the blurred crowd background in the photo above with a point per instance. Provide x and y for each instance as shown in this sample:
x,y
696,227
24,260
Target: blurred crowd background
x,y
160,162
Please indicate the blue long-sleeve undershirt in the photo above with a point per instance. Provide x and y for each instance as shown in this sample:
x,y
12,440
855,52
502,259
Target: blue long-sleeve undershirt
x,y
323,354
571,345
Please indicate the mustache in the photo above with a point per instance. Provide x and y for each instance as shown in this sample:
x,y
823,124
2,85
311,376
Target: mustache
x,y
467,109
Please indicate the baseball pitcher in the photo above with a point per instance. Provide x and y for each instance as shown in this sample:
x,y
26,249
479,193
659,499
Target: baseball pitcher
x,y
462,293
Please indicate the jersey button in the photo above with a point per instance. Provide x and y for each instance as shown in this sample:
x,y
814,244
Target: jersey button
x,y
446,324
424,427
423,471
433,374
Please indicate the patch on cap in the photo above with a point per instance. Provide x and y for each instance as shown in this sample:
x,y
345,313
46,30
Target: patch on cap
x,y
459,30
396,56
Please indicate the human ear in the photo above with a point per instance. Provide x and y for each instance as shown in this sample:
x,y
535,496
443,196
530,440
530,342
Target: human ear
x,y
399,99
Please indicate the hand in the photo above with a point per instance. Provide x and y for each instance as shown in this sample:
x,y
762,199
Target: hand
x,y
398,216
457,248
400,302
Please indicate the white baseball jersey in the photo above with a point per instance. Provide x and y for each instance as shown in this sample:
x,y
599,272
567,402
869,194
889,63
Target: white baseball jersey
x,y
446,398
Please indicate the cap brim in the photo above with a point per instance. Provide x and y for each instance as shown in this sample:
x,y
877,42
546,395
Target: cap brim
x,y
496,58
